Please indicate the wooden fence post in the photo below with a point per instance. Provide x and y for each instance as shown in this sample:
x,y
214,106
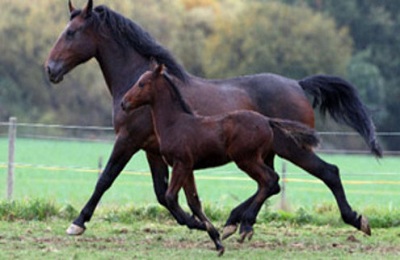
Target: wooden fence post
x,y
12,132
100,166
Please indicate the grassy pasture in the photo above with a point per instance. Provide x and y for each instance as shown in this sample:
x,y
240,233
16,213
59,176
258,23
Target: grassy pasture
x,y
66,172
166,240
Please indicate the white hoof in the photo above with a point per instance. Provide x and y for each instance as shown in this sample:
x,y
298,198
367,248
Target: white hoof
x,y
75,230
365,226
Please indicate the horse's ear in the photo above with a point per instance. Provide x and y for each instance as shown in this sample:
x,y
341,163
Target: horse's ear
x,y
71,6
87,11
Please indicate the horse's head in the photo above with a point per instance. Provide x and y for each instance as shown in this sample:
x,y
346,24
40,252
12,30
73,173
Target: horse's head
x,y
75,45
141,92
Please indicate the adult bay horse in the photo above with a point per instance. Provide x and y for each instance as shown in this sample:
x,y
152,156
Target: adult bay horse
x,y
186,140
124,51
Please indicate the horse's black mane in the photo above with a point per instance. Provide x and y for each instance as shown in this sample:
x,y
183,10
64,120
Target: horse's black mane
x,y
186,108
129,34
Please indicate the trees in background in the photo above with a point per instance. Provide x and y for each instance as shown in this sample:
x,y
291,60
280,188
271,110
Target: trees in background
x,y
374,27
357,40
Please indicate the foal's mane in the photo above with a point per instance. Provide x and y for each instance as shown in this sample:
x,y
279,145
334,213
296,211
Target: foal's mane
x,y
129,34
176,92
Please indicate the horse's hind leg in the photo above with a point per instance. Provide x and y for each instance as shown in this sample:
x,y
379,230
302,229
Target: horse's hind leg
x,y
329,174
235,216
195,206
266,179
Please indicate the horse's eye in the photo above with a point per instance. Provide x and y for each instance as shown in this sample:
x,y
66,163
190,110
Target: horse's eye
x,y
141,84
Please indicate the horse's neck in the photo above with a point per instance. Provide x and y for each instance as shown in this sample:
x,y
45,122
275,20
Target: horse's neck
x,y
121,68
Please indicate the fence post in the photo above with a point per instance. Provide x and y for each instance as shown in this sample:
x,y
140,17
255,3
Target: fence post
x,y
284,205
12,132
100,166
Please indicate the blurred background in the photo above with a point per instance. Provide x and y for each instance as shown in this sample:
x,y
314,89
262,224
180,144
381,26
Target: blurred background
x,y
358,40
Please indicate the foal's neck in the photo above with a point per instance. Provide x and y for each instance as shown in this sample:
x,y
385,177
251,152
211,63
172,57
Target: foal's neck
x,y
167,108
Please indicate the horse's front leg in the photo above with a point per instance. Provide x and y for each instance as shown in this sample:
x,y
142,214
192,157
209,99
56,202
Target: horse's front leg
x,y
123,150
160,175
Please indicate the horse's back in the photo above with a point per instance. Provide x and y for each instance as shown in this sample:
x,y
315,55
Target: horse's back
x,y
269,94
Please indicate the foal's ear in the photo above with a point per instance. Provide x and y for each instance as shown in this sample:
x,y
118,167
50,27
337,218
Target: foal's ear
x,y
159,70
153,64
87,11
71,6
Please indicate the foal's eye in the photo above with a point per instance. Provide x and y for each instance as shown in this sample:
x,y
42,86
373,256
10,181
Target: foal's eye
x,y
141,84
70,33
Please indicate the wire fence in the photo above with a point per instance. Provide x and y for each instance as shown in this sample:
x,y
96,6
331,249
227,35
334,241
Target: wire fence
x,y
12,130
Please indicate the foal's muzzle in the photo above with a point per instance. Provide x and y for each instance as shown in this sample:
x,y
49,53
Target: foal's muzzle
x,y
125,105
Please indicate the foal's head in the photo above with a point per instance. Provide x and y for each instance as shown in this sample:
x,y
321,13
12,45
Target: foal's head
x,y
141,93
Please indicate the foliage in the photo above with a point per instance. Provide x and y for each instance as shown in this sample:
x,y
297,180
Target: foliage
x,y
373,26
273,37
27,210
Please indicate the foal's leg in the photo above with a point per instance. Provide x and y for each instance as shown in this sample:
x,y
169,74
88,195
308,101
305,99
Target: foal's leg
x,y
178,179
180,174
195,206
235,216
266,179
329,174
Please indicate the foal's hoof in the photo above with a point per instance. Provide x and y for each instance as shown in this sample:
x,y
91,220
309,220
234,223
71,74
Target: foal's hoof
x,y
75,230
365,226
228,231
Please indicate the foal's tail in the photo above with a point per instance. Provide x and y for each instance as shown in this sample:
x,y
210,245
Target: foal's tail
x,y
341,100
302,135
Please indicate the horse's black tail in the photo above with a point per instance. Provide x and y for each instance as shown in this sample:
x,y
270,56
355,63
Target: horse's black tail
x,y
302,135
341,100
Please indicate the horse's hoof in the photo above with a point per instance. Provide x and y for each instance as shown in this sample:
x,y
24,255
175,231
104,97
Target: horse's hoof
x,y
246,231
228,231
365,226
248,234
75,230
220,250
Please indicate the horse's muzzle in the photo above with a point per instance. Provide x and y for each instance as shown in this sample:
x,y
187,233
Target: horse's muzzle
x,y
55,71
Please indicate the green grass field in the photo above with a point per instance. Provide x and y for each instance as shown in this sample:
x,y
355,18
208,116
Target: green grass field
x,y
128,224
66,172
166,240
